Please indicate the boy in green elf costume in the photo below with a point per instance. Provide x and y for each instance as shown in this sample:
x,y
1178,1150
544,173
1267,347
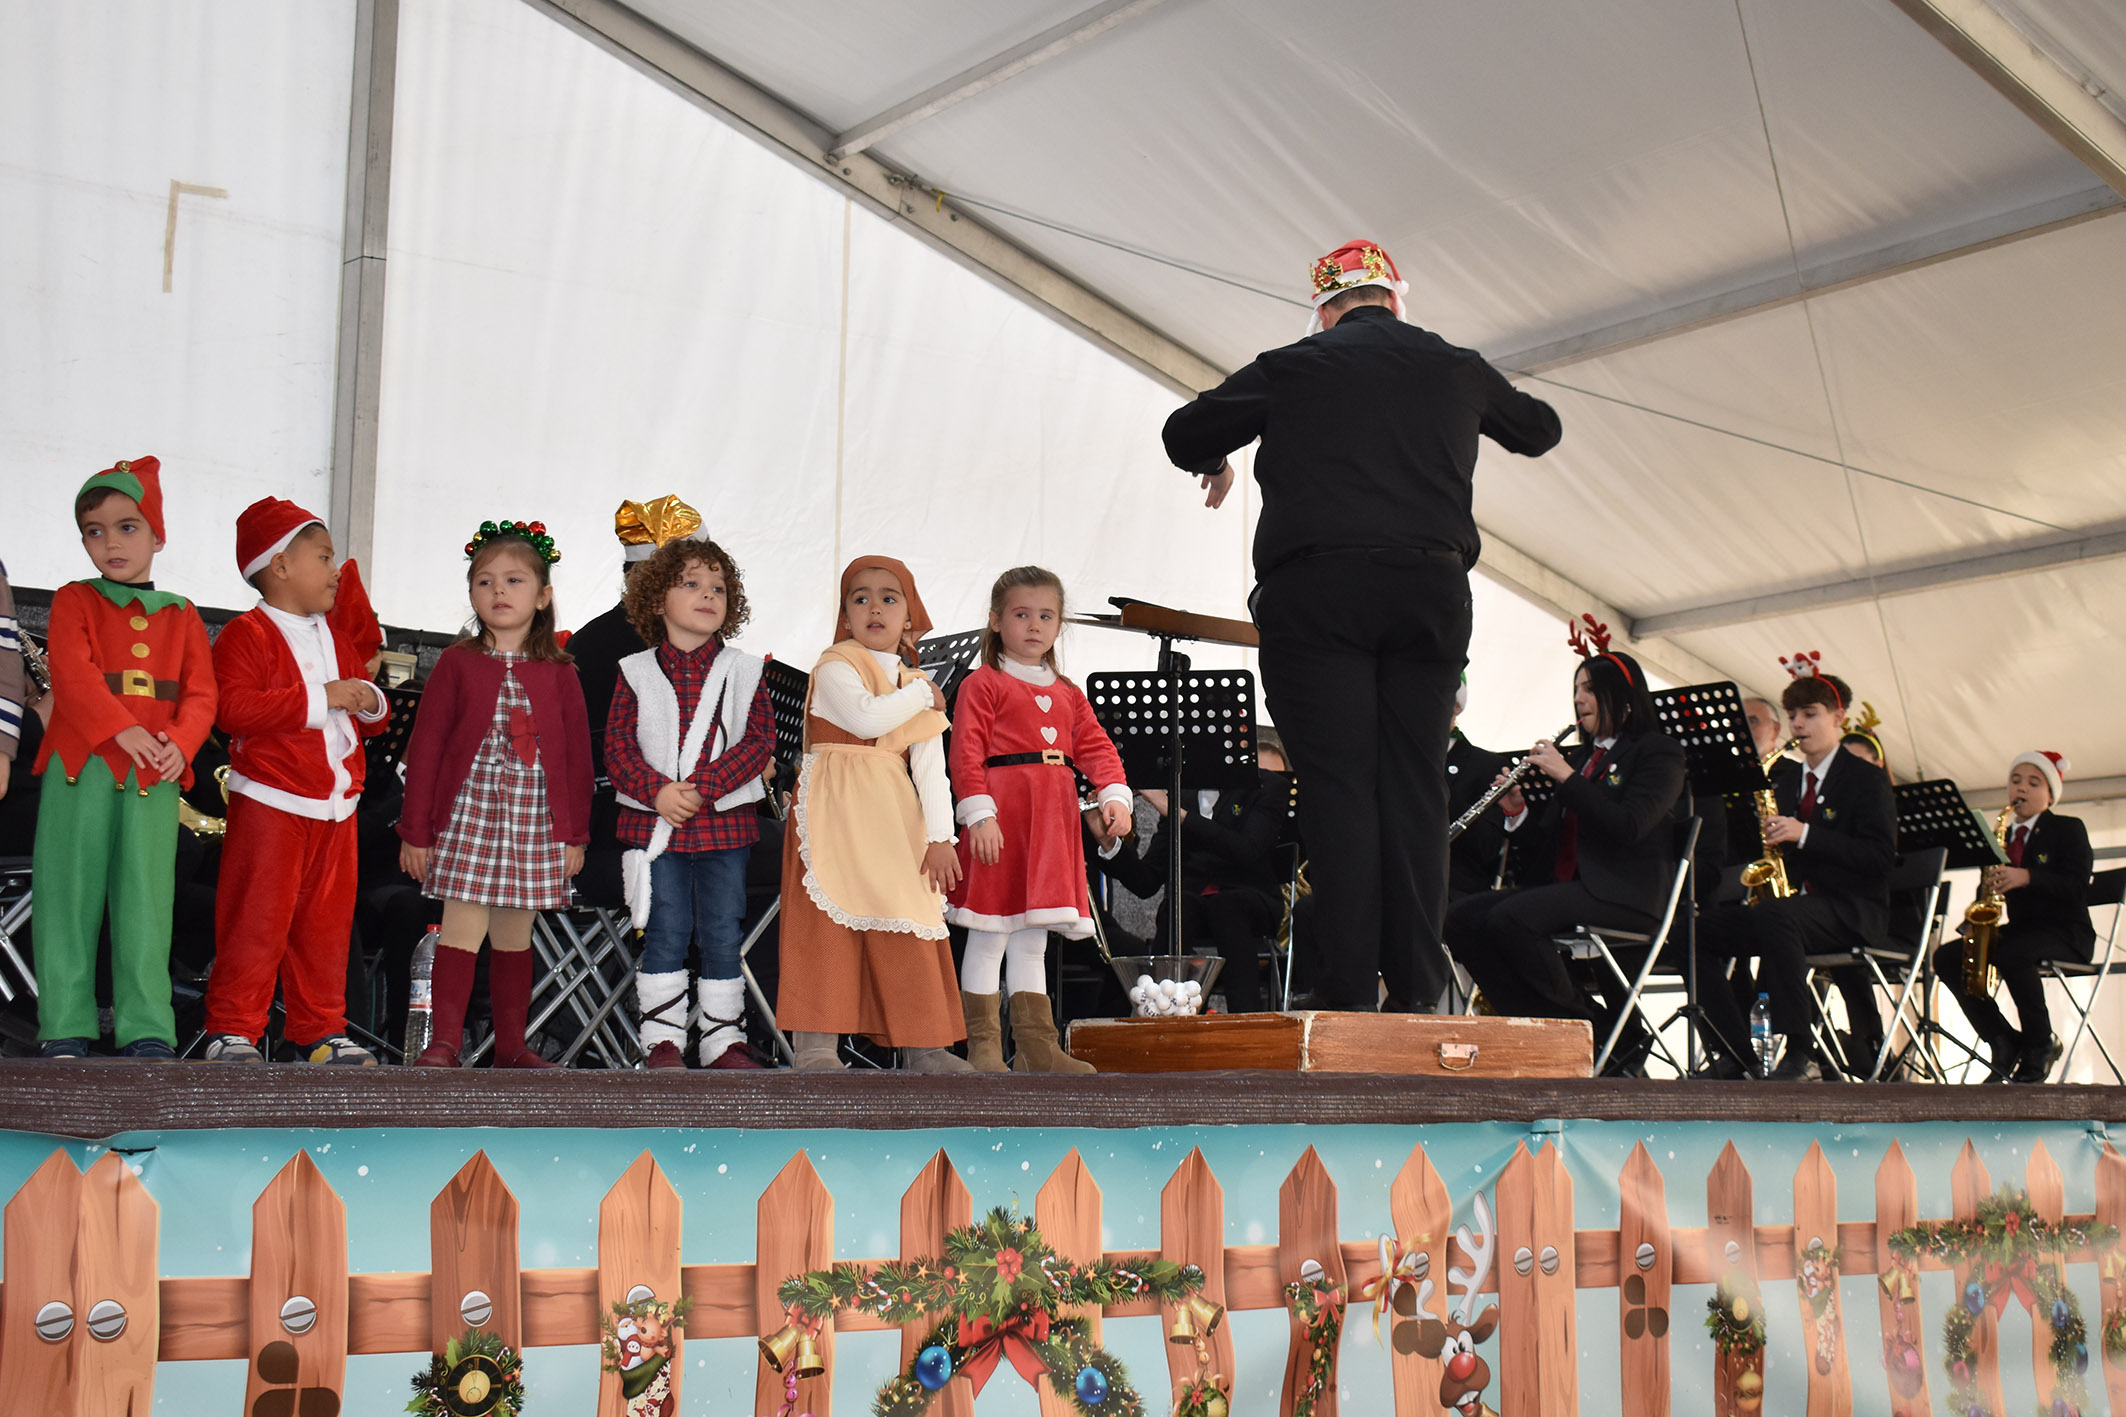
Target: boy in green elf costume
x,y
133,699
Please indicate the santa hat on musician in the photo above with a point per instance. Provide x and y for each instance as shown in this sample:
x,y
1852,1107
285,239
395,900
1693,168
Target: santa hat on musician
x,y
1351,266
264,529
138,478
2050,766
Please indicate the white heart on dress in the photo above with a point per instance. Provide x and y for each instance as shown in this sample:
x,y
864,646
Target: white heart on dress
x,y
1044,701
1050,735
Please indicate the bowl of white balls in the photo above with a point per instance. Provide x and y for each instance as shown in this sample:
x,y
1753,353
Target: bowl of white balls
x,y
1167,986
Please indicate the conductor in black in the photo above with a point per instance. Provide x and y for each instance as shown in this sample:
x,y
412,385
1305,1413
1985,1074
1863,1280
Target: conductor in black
x,y
1363,550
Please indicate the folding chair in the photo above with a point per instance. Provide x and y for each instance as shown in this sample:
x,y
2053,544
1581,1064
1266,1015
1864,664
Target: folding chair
x,y
1919,874
2105,888
1599,942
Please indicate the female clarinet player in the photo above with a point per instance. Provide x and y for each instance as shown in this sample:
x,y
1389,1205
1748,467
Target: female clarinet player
x,y
1602,849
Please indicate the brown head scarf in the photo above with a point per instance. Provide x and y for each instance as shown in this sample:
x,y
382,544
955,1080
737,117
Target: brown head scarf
x,y
918,617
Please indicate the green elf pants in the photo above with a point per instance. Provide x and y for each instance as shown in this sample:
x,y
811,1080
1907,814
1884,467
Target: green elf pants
x,y
98,842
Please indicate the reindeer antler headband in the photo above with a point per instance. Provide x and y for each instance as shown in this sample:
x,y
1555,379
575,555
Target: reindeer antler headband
x,y
1589,639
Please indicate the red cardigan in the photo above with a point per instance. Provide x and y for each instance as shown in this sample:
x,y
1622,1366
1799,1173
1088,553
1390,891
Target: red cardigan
x,y
458,706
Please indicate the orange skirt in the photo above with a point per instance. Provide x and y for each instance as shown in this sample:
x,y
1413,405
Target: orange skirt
x,y
888,985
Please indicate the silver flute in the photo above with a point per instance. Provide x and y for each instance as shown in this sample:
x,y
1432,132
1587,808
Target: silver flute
x,y
1520,769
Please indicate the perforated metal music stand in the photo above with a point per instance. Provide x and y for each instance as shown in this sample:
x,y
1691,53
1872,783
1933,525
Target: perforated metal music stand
x,y
948,659
1933,813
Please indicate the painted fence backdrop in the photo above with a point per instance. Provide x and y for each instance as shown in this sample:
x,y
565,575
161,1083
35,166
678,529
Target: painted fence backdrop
x,y
84,1318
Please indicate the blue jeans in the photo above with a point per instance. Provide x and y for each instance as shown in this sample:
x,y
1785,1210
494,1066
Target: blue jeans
x,y
696,896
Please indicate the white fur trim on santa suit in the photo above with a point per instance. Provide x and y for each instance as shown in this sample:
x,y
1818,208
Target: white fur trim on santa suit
x,y
265,558
657,730
2050,766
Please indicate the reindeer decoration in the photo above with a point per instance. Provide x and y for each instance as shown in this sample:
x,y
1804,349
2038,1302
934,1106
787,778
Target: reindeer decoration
x,y
1465,1375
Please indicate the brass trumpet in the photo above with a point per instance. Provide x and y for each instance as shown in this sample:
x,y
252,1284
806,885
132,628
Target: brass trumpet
x,y
1765,878
1982,921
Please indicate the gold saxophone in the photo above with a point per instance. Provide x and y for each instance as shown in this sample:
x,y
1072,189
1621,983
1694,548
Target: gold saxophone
x,y
1765,878
1982,921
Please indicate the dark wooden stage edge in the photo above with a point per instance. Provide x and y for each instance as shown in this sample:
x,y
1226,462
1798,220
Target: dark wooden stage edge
x,y
95,1100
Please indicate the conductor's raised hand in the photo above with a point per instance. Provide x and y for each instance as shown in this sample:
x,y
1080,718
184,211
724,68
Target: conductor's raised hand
x,y
1216,485
986,839
1549,761
942,865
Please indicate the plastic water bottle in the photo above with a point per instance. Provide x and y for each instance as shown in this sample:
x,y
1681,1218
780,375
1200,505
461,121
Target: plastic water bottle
x,y
1761,1039
421,994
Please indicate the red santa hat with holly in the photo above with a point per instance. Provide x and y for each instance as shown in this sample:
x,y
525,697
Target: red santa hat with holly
x,y
1353,266
2050,766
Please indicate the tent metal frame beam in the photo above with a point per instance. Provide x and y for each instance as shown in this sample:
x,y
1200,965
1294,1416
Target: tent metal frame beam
x,y
2005,57
359,372
2082,791
885,190
996,69
1844,274
2099,546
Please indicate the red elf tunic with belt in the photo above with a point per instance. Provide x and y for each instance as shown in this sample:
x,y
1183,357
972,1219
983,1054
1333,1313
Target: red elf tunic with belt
x,y
284,906
1041,723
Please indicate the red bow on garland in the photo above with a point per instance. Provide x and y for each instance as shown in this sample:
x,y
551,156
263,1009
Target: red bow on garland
x,y
2016,1278
986,1340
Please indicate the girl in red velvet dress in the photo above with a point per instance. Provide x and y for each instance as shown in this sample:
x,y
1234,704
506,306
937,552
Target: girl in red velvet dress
x,y
1018,729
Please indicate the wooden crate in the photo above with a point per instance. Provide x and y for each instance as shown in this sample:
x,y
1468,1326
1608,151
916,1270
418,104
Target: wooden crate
x,y
1410,1044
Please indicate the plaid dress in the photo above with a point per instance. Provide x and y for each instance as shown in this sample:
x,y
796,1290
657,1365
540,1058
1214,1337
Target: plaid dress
x,y
499,846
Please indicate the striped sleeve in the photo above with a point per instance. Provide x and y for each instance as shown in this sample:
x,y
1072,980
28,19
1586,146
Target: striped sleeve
x,y
11,676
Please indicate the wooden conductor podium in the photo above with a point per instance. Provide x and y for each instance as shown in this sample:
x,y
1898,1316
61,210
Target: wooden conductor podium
x,y
1412,1045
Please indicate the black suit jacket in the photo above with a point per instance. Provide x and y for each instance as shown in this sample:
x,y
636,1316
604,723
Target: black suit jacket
x,y
1473,860
2059,860
1626,840
1368,437
598,649
1852,840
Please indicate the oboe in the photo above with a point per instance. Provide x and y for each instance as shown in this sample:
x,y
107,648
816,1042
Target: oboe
x,y
1514,774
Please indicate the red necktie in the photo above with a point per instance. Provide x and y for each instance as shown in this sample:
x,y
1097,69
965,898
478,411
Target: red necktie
x,y
1808,797
1569,829
2015,845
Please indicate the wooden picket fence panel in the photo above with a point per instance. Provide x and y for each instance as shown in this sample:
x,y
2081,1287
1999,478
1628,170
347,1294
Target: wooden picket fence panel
x,y
84,1319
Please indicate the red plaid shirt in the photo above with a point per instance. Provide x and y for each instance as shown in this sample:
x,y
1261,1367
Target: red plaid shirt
x,y
631,773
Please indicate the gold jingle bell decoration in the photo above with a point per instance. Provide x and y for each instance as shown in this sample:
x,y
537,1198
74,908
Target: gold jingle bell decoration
x,y
473,1387
1196,1319
791,1345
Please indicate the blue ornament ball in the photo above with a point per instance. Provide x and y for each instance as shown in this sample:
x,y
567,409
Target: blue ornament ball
x,y
1092,1386
933,1367
1974,1296
2081,1357
2059,1313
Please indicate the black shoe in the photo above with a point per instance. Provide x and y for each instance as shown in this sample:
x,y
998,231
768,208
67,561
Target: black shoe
x,y
1797,1066
2035,1064
63,1048
153,1049
2007,1050
1721,1068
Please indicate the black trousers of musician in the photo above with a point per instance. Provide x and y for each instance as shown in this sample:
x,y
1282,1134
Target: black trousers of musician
x,y
1780,934
1361,654
2017,952
1504,940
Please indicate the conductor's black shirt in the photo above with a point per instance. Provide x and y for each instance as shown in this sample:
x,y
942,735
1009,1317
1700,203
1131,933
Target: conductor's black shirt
x,y
1368,436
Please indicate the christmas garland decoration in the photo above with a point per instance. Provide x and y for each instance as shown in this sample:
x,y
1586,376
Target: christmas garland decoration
x,y
474,1376
1002,1290
2006,1243
1319,1303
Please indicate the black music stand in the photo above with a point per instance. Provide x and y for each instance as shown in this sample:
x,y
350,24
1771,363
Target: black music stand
x,y
1719,757
1934,813
786,688
1193,728
384,752
948,659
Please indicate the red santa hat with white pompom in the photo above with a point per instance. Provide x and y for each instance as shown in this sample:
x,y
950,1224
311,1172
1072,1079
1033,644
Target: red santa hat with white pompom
x,y
2050,766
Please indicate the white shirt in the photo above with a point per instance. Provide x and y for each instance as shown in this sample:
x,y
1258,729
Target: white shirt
x,y
309,639
839,696
1513,823
982,806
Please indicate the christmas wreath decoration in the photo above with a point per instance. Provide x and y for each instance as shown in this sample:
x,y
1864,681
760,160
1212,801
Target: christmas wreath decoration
x,y
1735,1316
1002,1289
2013,1252
474,1376
1319,1303
1202,1397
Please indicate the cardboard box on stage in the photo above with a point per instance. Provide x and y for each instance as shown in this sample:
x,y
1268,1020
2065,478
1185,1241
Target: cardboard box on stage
x,y
1416,1045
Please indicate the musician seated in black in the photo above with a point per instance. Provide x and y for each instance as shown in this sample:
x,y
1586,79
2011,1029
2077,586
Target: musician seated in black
x,y
1232,887
1605,844
1836,827
1474,857
2044,888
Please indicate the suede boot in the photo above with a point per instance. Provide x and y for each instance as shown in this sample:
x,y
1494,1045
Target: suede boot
x,y
1033,1030
985,1032
818,1052
933,1060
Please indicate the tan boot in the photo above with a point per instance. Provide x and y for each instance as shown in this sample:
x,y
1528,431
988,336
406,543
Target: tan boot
x,y
985,1032
1033,1030
933,1060
817,1052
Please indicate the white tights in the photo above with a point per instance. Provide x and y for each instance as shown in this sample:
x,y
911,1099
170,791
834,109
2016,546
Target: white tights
x,y
1018,960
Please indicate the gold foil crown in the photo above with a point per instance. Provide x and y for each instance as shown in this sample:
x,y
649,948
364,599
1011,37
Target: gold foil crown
x,y
654,523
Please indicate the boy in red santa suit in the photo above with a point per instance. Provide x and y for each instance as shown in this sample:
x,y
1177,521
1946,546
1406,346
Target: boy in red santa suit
x,y
295,704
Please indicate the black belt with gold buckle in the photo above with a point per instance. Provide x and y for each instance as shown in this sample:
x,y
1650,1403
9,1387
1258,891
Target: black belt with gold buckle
x,y
1047,757
138,683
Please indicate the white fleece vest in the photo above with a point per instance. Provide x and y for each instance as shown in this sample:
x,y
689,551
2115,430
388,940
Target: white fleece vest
x,y
734,678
